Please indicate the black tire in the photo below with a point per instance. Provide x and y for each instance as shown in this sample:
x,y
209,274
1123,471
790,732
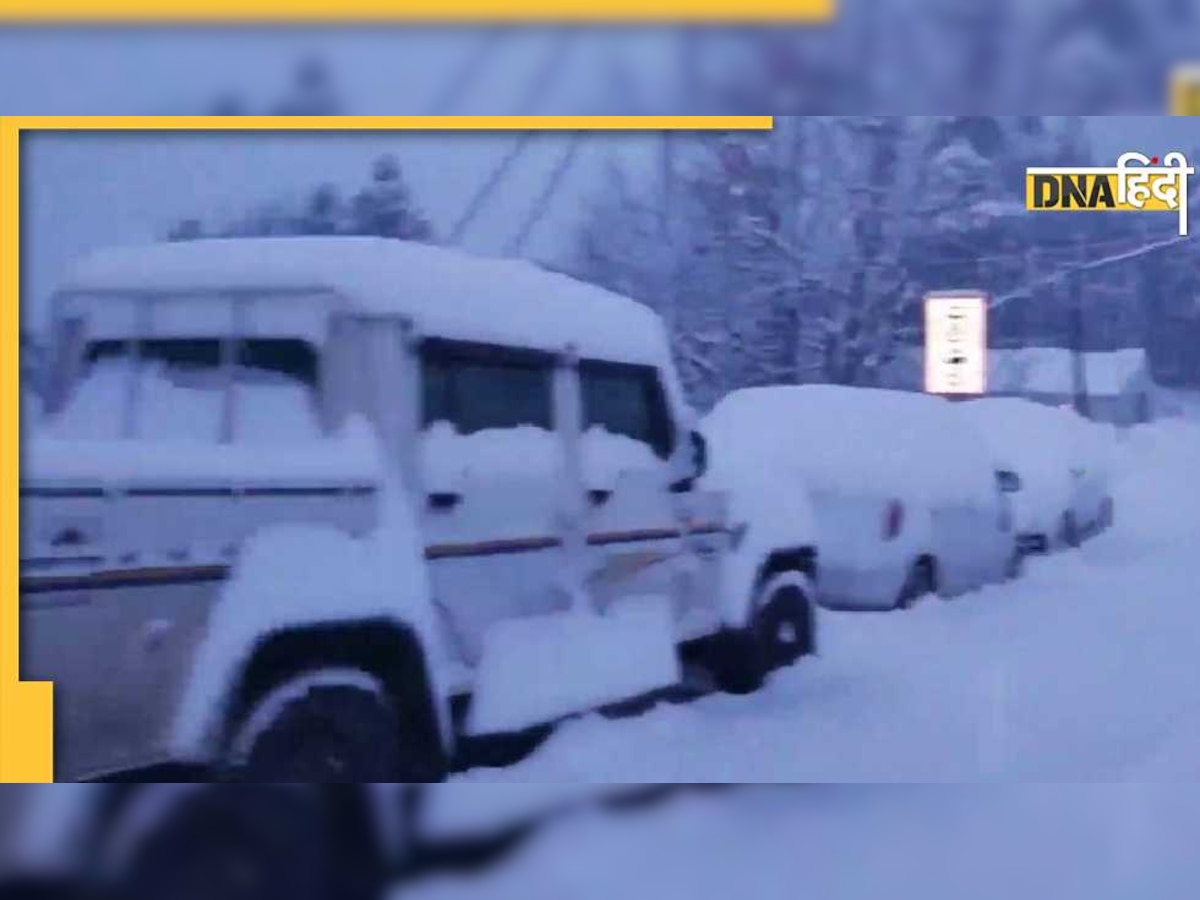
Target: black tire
x,y
782,632
233,842
1070,530
328,733
920,582
1016,565
41,889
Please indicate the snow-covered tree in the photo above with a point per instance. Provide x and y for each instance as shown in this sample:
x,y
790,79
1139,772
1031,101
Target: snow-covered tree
x,y
385,207
786,255
313,91
324,212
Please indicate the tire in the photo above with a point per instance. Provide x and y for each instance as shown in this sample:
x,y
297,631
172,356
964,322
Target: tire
x,y
324,727
1070,530
920,582
1016,566
232,842
40,889
783,631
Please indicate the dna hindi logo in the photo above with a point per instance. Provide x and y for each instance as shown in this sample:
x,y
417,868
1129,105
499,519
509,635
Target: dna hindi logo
x,y
1137,183
1184,90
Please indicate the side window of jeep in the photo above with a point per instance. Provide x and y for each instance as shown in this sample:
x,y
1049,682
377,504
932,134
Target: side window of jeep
x,y
474,389
195,389
628,401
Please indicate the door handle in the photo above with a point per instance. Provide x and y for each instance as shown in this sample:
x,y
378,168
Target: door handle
x,y
599,497
444,500
69,537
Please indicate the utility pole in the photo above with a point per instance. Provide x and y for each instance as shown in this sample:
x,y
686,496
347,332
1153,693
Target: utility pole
x,y
1075,310
687,100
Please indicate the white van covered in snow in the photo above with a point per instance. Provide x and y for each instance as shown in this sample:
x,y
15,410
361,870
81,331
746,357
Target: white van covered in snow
x,y
315,508
903,493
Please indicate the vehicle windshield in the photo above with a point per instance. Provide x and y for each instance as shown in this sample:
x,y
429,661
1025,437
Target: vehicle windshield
x,y
197,389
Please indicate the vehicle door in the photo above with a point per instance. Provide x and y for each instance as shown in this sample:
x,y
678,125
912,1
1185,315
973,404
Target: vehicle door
x,y
635,543
490,468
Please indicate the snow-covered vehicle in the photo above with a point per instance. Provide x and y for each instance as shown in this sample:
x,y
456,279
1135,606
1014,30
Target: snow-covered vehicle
x,y
1061,460
335,509
905,499
775,550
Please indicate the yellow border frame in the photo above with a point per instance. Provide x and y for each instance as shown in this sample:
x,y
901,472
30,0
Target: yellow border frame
x,y
74,12
27,709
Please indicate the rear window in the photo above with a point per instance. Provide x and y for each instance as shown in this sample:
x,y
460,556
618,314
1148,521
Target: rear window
x,y
195,389
293,359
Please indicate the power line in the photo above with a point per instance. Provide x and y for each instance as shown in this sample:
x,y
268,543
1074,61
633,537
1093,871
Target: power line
x,y
544,77
1092,265
529,101
485,191
542,204
465,76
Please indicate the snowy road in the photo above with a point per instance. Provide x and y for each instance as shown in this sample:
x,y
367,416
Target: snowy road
x,y
848,842
1085,669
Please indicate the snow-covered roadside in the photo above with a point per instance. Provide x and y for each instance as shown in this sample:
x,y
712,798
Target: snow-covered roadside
x,y
1082,670
837,842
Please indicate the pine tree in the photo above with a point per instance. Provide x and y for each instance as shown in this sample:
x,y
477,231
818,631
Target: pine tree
x,y
323,213
385,208
312,92
186,230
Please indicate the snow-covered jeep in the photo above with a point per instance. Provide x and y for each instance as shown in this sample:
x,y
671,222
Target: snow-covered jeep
x,y
316,509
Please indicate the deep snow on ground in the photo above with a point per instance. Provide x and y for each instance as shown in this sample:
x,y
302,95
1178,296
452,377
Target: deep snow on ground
x,y
1085,669
1072,842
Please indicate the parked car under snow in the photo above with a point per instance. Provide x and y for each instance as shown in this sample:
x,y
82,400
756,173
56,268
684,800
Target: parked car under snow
x,y
904,496
1061,460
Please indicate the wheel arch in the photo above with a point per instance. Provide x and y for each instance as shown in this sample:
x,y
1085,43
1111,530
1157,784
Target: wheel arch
x,y
929,560
392,652
801,559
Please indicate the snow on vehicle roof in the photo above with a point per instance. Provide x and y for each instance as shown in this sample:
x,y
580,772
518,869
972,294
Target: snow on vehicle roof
x,y
446,292
854,440
1020,429
1027,435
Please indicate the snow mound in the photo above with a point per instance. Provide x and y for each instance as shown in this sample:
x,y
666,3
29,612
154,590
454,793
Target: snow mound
x,y
277,437
352,456
452,459
270,409
543,668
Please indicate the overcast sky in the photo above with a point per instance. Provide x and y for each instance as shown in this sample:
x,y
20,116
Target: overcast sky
x,y
83,191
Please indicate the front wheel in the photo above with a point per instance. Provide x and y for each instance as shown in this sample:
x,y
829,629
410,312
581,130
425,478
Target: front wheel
x,y
233,842
782,631
1069,532
322,727
920,582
